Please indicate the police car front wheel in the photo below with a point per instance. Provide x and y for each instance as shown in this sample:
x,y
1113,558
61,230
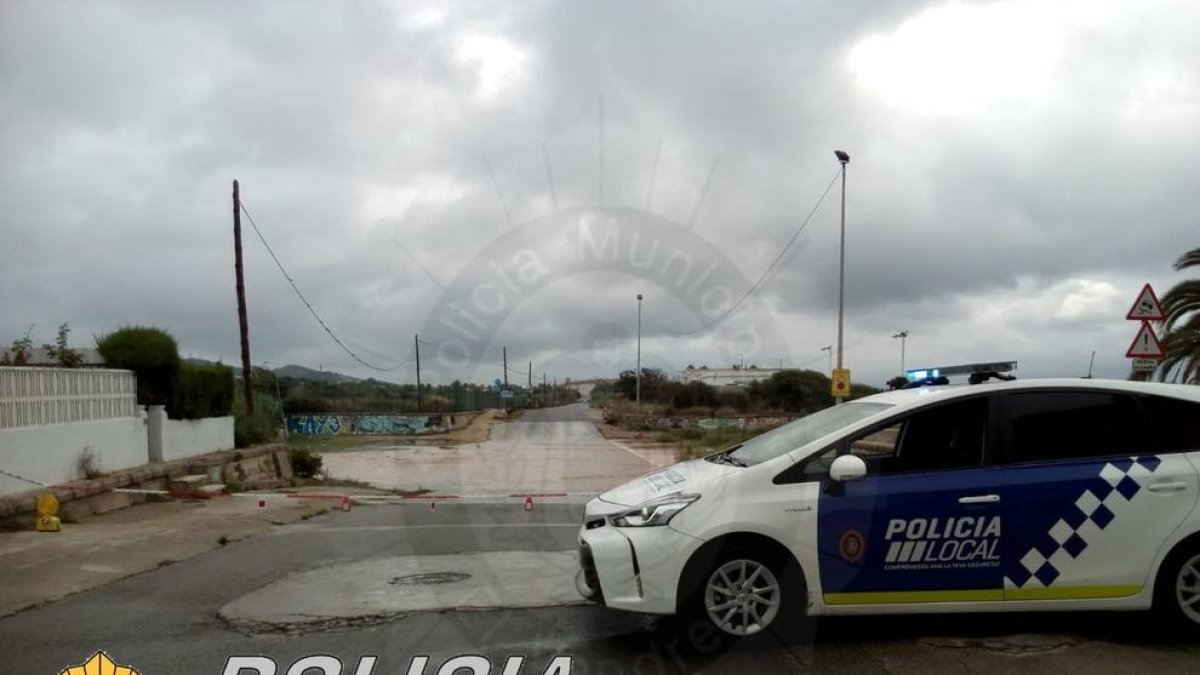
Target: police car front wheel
x,y
742,597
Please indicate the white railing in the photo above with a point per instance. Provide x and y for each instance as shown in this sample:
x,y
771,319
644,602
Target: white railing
x,y
41,396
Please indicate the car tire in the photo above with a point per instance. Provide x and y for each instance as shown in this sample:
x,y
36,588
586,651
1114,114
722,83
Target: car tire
x,y
1177,590
746,593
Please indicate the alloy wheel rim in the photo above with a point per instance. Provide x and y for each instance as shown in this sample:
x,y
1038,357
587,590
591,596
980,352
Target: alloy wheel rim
x,y
742,597
1187,589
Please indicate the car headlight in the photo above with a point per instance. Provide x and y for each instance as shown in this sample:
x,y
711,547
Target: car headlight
x,y
655,512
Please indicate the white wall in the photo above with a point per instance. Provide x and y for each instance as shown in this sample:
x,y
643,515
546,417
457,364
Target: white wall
x,y
50,454
188,438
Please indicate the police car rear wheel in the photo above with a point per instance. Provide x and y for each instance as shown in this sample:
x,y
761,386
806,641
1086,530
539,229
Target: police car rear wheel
x,y
1177,590
742,597
1187,588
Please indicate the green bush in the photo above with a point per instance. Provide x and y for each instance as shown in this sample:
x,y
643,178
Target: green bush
x,y
202,391
259,427
151,353
305,464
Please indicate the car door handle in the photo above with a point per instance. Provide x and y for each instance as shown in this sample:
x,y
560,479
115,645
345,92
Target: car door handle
x,y
1173,486
979,499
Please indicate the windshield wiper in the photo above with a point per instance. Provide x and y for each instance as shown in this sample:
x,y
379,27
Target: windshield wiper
x,y
726,457
736,461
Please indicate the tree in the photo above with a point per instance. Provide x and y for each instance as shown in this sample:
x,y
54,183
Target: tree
x,y
897,382
1181,340
61,352
797,391
652,382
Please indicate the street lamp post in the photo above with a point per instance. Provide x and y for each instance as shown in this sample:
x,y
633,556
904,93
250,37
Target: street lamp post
x,y
829,349
638,374
903,336
844,159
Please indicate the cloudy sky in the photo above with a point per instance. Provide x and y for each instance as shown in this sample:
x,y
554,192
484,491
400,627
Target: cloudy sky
x,y
1019,169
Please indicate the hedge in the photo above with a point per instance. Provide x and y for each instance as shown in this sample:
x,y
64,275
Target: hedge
x,y
151,353
202,391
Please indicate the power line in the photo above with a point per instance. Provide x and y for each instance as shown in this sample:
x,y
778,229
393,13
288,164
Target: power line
x,y
754,286
308,305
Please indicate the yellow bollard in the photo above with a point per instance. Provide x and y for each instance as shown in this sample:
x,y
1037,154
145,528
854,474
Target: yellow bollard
x,y
47,508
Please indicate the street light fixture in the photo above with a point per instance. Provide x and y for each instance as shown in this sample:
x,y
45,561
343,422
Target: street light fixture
x,y
829,348
844,159
903,336
638,390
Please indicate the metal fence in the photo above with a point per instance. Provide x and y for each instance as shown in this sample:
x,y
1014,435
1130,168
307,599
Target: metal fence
x,y
39,396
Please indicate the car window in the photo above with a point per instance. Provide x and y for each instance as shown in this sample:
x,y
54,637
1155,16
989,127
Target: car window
x,y
949,436
804,431
1062,425
944,437
1176,423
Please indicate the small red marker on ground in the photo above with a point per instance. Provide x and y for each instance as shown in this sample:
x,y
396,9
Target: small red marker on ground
x,y
262,503
345,502
528,502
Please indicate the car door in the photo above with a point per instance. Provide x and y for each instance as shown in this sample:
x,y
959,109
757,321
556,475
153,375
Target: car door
x,y
925,524
1097,497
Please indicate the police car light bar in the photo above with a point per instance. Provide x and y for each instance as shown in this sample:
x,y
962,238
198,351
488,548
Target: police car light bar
x,y
946,371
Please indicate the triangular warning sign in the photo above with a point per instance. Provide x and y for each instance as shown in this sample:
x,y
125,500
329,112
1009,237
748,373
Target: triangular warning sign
x,y
1145,345
1146,307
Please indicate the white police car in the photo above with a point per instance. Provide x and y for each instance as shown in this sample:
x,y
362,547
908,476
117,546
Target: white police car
x,y
1016,496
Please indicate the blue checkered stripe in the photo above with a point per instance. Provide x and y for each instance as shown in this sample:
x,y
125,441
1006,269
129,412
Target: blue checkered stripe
x,y
1119,482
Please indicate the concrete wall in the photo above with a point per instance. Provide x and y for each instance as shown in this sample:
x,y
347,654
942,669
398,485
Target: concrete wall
x,y
188,438
50,454
365,424
34,397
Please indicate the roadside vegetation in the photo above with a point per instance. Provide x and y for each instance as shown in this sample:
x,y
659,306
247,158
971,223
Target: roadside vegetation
x,y
791,392
783,396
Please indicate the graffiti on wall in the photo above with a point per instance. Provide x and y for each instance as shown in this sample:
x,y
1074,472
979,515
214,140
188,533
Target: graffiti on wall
x,y
366,424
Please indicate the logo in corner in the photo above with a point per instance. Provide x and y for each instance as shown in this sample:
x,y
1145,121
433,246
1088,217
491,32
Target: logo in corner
x,y
97,665
852,546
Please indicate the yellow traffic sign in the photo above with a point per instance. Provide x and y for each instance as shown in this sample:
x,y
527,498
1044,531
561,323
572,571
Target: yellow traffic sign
x,y
841,382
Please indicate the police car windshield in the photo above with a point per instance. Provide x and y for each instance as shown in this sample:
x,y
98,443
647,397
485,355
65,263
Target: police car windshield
x,y
803,431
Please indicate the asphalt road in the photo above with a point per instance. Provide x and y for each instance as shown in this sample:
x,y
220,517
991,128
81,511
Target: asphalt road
x,y
167,620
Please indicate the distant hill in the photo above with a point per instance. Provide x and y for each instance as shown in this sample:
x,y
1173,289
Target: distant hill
x,y
303,373
291,371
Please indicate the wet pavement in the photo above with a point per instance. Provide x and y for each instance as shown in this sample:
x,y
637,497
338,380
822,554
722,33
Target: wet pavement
x,y
546,451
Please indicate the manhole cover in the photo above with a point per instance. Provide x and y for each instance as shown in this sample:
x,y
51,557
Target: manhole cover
x,y
430,578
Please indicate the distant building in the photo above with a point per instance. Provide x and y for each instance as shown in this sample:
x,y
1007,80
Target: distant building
x,y
727,377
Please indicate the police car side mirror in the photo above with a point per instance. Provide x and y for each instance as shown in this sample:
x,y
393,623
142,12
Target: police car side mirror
x,y
847,468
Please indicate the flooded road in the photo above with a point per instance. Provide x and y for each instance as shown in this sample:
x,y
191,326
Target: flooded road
x,y
551,450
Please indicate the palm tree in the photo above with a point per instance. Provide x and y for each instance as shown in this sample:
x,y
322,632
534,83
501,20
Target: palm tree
x,y
1181,340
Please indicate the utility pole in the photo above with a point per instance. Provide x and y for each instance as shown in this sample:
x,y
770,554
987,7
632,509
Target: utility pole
x,y
417,348
529,384
243,323
844,159
505,376
638,374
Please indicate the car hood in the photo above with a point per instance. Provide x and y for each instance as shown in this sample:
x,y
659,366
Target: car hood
x,y
683,477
